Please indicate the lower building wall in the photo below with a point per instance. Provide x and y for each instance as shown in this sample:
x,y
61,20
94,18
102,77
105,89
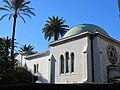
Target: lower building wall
x,y
114,72
105,62
42,70
78,47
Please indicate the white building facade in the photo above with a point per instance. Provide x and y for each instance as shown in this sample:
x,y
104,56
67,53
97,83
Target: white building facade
x,y
86,54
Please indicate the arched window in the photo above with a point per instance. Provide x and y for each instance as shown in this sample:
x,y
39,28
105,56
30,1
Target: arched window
x,y
72,62
67,58
62,63
35,68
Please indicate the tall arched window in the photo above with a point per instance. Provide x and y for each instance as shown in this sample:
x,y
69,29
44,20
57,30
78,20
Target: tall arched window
x,y
62,63
35,68
72,62
67,58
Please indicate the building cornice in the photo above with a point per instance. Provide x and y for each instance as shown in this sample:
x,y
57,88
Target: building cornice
x,y
69,39
107,38
78,36
46,53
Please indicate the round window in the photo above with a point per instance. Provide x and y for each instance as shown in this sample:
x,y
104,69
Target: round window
x,y
112,54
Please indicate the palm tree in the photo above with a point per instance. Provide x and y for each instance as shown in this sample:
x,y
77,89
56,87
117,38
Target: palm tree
x,y
16,8
27,48
54,27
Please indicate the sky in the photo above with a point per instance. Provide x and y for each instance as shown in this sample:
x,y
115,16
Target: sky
x,y
103,13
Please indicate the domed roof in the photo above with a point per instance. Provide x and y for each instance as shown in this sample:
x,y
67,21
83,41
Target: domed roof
x,y
81,28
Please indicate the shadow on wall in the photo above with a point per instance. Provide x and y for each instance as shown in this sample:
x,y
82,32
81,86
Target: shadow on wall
x,y
42,79
39,79
53,60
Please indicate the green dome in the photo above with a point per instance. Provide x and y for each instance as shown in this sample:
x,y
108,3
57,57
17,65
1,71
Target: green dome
x,y
81,28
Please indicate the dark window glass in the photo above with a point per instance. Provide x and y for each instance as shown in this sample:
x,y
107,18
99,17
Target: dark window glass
x,y
72,62
34,68
62,63
67,58
37,67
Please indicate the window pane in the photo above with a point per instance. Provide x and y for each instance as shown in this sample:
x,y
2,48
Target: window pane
x,y
37,67
62,64
34,68
72,62
67,58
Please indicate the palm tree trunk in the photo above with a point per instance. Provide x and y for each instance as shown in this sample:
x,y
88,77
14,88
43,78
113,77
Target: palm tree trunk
x,y
119,7
13,38
55,36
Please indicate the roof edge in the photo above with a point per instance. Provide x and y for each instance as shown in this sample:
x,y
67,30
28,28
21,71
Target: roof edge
x,y
38,54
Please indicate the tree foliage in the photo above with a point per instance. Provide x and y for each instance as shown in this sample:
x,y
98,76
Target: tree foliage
x,y
7,76
55,28
19,8
27,48
15,9
18,76
5,45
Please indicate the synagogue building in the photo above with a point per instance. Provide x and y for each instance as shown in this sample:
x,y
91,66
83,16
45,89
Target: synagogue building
x,y
85,54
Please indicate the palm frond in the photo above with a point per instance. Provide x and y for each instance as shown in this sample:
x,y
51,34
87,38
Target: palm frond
x,y
22,18
3,16
53,17
8,3
27,48
24,4
31,8
5,9
51,20
64,26
26,15
54,27
31,12
10,16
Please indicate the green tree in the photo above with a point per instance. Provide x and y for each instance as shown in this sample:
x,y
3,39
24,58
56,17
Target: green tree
x,y
22,75
55,28
5,45
27,48
7,76
16,8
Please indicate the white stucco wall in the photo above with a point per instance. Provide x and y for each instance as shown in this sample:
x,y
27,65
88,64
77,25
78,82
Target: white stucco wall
x,y
43,65
82,67
80,45
103,43
20,60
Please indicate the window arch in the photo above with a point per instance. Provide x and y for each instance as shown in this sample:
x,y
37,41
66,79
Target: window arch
x,y
72,62
67,60
62,64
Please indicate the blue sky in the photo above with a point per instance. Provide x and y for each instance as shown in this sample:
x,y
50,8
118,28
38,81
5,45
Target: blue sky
x,y
103,13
